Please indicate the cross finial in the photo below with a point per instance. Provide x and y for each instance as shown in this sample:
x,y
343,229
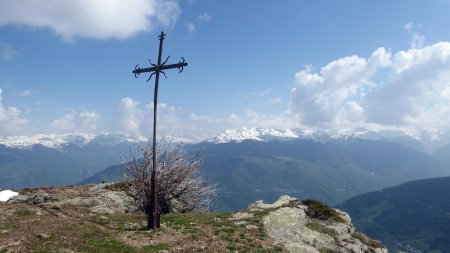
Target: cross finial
x,y
162,36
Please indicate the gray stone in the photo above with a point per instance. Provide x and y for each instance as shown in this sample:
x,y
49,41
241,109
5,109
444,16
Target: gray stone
x,y
283,200
18,199
100,186
43,236
291,227
241,216
39,198
36,200
106,202
288,226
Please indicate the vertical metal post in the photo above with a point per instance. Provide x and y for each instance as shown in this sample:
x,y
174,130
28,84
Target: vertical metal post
x,y
153,220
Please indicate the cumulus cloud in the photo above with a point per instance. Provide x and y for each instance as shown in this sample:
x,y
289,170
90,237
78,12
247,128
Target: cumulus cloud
x,y
85,122
318,97
417,39
406,89
90,19
190,27
11,119
131,117
134,118
203,18
418,90
25,93
261,93
274,101
7,52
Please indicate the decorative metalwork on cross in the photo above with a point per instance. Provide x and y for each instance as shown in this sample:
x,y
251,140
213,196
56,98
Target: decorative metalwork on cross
x,y
153,220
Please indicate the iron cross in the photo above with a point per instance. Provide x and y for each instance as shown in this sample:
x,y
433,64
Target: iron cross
x,y
152,210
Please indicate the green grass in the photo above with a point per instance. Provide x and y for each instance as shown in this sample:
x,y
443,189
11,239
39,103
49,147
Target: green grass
x,y
155,248
231,247
23,212
317,209
109,245
366,240
326,250
321,229
89,232
238,237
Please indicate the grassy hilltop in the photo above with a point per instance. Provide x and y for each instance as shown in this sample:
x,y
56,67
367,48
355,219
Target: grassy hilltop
x,y
103,219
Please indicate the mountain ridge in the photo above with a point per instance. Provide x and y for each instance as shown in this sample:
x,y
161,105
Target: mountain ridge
x,y
59,140
411,217
232,135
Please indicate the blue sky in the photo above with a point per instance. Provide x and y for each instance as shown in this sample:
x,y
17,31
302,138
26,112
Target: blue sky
x,y
65,66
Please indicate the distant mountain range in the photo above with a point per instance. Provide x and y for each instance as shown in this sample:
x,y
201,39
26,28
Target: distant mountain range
x,y
425,141
59,159
247,164
251,164
412,217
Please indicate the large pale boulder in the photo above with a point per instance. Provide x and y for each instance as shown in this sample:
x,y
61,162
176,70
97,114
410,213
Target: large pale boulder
x,y
291,223
105,201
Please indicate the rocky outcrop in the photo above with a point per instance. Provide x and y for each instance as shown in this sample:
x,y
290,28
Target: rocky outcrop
x,y
310,227
97,199
106,202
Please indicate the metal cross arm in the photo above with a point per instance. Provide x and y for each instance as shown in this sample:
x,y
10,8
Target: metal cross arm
x,y
160,67
155,68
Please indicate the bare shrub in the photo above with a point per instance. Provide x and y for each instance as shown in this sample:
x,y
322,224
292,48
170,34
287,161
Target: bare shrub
x,y
181,188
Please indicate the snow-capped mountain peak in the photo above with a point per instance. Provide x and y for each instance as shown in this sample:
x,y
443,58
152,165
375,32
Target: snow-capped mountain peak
x,y
320,135
258,134
59,140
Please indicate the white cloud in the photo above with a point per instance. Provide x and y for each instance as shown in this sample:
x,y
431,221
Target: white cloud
x,y
417,39
65,123
274,101
418,91
128,117
203,18
406,89
134,118
84,122
260,93
25,93
90,19
88,121
190,27
11,119
7,52
318,97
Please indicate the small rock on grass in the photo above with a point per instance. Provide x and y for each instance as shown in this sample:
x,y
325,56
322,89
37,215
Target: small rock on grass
x,y
43,236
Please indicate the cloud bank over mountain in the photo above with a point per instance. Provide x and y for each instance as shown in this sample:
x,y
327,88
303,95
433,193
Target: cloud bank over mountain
x,y
404,89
